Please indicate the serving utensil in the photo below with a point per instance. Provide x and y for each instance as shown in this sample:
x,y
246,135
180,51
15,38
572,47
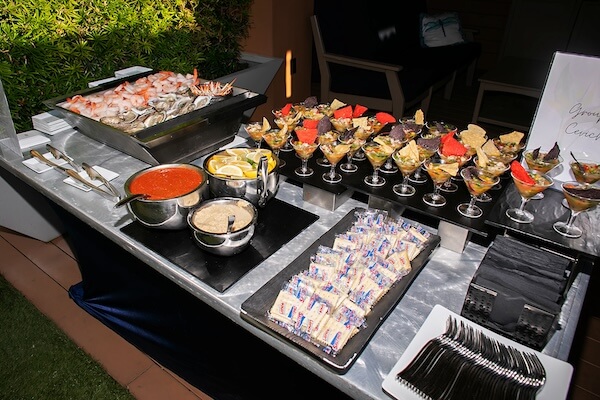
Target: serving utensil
x,y
131,197
44,160
75,175
94,174
58,154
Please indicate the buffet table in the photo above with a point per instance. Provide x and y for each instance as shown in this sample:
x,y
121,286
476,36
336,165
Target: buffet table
x,y
444,280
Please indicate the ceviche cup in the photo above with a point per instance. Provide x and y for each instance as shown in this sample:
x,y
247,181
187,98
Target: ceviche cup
x,y
478,183
334,152
439,174
377,154
527,191
580,197
304,151
407,166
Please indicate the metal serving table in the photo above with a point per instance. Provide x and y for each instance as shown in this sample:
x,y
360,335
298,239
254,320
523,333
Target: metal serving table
x,y
444,279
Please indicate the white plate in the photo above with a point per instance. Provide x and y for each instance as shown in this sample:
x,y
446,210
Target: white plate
x,y
39,167
108,174
558,373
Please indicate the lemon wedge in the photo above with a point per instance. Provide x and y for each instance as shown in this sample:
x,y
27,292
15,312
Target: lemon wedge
x,y
255,156
230,170
238,152
244,165
214,164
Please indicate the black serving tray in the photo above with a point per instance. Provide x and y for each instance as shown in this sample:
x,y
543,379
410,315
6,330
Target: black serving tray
x,y
354,181
255,308
221,272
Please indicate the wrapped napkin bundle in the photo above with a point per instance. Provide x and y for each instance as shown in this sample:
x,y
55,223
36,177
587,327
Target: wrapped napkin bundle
x,y
524,279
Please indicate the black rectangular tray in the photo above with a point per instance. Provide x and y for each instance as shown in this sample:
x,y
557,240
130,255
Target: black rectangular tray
x,y
255,308
354,181
221,272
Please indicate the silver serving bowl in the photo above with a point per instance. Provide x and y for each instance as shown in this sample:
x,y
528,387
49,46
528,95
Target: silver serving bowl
x,y
168,213
256,190
234,238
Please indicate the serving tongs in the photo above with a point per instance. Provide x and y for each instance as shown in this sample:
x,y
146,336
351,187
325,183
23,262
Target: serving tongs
x,y
94,174
74,174
58,154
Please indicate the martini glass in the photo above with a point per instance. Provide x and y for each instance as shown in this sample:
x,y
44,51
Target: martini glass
x,y
255,130
276,139
407,166
450,186
355,144
580,197
493,168
363,134
527,191
326,138
290,120
540,165
334,152
586,170
438,171
477,182
389,167
304,151
419,176
377,154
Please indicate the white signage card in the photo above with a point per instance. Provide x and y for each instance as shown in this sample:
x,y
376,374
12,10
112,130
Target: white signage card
x,y
569,112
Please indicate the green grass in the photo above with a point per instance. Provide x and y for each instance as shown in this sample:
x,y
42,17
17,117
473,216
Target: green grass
x,y
38,361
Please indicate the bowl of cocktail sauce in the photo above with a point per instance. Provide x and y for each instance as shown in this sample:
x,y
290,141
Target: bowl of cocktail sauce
x,y
170,192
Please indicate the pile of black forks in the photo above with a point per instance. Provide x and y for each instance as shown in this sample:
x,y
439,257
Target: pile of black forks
x,y
464,363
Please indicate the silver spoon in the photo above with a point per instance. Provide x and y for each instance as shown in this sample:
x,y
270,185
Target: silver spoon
x,y
94,174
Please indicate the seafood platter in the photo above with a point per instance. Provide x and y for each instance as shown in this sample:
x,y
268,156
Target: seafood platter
x,y
159,116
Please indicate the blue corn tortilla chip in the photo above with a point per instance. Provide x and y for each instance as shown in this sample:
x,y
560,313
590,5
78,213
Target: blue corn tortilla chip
x,y
324,125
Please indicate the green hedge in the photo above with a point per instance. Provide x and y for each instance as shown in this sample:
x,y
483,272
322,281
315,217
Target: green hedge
x,y
50,48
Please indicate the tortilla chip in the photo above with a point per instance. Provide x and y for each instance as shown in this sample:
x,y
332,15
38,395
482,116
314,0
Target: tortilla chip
x,y
335,104
419,117
490,148
473,139
482,158
362,122
513,137
452,169
476,128
410,150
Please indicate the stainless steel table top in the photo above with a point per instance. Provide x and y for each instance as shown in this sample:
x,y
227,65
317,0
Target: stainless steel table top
x,y
444,280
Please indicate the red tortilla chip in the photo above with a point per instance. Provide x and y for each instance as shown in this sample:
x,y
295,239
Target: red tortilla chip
x,y
358,111
344,112
520,172
452,147
385,118
446,137
286,109
306,135
310,123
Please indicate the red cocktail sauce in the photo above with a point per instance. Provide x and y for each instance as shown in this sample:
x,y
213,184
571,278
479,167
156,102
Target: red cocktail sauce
x,y
166,183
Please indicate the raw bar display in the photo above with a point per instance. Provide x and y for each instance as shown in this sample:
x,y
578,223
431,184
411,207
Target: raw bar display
x,y
328,302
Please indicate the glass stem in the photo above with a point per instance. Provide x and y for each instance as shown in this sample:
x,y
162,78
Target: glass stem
x,y
332,171
523,203
304,164
572,218
375,174
472,202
